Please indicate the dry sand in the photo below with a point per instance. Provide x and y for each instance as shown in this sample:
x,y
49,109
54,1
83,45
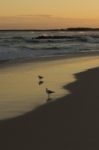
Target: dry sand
x,y
68,123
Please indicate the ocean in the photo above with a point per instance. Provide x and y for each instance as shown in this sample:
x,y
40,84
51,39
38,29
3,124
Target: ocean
x,y
20,88
35,44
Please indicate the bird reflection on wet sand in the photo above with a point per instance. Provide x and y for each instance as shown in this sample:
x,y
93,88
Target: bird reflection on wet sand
x,y
40,82
49,99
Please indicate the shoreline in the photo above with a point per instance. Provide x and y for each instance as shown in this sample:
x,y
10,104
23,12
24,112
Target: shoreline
x,y
8,63
70,122
24,97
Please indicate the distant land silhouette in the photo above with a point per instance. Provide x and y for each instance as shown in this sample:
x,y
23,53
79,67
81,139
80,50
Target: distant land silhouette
x,y
82,29
65,29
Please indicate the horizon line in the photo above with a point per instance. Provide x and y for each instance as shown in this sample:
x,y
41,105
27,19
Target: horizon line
x,y
56,29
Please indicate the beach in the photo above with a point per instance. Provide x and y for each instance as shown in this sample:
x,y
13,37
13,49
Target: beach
x,y
20,88
68,122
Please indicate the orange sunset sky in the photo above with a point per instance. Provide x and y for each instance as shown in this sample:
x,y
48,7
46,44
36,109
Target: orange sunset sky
x,y
44,14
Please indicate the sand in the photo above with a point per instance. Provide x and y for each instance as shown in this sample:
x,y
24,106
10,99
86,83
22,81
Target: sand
x,y
67,123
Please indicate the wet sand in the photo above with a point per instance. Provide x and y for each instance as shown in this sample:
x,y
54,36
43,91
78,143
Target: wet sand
x,y
68,123
20,91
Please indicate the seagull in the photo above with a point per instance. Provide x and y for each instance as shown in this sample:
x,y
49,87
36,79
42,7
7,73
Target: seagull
x,y
49,92
40,77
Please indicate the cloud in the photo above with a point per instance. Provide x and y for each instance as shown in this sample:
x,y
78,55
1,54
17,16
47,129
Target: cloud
x,y
37,15
43,21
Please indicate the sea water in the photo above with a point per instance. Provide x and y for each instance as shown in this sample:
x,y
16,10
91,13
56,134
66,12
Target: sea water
x,y
20,91
35,44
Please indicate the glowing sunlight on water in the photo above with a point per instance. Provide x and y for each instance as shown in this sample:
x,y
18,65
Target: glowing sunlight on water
x,y
20,90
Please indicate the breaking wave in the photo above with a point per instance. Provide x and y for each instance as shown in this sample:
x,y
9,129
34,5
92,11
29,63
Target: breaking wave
x,y
14,45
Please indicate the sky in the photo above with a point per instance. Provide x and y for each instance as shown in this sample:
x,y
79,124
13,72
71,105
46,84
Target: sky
x,y
44,14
